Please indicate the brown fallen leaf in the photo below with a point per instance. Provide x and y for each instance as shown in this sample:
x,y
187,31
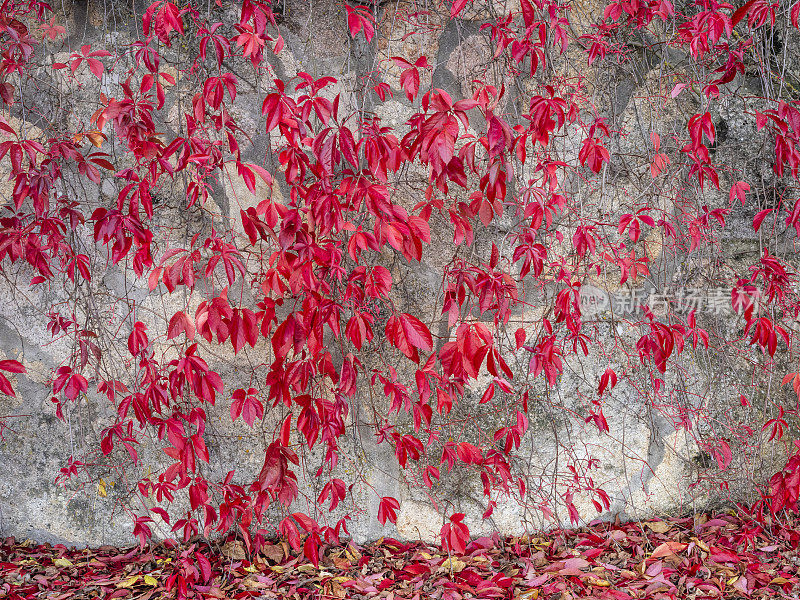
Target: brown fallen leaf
x,y
307,568
273,552
234,550
658,526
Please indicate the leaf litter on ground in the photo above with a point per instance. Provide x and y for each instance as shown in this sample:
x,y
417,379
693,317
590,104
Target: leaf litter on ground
x,y
723,555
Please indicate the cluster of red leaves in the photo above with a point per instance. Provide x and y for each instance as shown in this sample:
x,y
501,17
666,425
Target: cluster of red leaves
x,y
322,303
705,556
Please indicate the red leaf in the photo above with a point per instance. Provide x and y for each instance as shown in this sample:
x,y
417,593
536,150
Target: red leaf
x,y
180,323
741,13
458,6
5,386
336,489
205,565
455,535
738,190
759,218
608,377
408,334
519,337
387,510
12,366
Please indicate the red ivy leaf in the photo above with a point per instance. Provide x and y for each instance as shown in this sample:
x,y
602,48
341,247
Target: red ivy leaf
x,y
387,510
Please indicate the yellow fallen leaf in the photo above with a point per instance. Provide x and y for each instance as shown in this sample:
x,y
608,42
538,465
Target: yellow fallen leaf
x,y
454,565
251,569
63,562
277,568
531,594
425,555
307,568
101,489
352,553
779,580
597,581
150,580
129,582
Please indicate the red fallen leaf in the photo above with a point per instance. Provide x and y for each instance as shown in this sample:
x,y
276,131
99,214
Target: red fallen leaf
x,y
667,549
417,569
654,569
721,555
593,553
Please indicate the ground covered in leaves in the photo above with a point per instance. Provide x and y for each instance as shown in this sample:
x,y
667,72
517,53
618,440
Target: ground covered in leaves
x,y
705,556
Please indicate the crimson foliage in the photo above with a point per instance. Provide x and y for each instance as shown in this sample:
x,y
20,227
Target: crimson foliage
x,y
310,283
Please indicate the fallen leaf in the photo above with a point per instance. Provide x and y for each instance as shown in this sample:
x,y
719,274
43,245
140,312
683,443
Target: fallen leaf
x,y
453,565
667,549
63,562
351,552
129,582
531,594
307,569
658,526
150,580
234,550
273,552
